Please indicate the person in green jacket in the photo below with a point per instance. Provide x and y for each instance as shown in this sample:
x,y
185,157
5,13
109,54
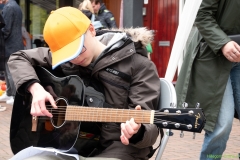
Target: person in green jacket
x,y
204,76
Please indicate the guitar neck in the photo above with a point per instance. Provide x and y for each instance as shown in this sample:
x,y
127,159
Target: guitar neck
x,y
92,114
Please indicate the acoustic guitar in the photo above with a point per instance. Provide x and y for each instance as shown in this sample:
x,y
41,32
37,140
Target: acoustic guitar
x,y
63,129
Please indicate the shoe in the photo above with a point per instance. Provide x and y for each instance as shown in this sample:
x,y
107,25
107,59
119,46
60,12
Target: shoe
x,y
2,108
4,97
10,101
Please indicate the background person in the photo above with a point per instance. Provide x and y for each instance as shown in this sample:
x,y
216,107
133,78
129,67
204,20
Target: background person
x,y
26,38
87,9
105,16
2,46
2,53
204,76
12,32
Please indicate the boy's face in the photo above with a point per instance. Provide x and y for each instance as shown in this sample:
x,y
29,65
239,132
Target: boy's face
x,y
87,53
96,7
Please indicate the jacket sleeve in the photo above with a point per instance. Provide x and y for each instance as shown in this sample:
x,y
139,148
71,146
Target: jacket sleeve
x,y
110,20
21,64
207,25
2,23
7,16
145,91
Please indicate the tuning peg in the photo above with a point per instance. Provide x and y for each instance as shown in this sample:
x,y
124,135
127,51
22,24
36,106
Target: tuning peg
x,y
165,124
178,112
185,105
169,133
181,134
166,111
197,105
191,112
177,125
172,105
189,126
194,135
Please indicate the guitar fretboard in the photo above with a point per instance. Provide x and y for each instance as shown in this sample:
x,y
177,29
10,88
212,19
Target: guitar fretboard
x,y
93,114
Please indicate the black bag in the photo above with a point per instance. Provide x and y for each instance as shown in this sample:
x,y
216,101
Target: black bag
x,y
235,38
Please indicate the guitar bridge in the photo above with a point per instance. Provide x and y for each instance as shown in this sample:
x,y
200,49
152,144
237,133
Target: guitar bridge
x,y
34,123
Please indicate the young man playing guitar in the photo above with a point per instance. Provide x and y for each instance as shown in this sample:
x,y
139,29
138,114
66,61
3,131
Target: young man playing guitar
x,y
118,60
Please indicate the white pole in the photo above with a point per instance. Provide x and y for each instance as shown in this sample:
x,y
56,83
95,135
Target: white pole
x,y
186,21
180,61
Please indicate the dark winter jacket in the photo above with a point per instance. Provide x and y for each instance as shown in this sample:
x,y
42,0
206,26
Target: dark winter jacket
x,y
106,17
12,31
124,54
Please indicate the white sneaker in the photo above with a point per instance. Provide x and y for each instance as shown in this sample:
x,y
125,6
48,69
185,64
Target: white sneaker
x,y
10,101
4,97
2,108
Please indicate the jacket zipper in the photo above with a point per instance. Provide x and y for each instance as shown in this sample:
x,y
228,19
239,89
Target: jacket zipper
x,y
114,84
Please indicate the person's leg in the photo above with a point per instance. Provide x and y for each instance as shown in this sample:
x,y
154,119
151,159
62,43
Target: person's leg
x,y
2,108
215,142
235,77
7,94
11,90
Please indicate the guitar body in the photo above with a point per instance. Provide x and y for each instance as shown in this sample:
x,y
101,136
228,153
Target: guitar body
x,y
54,132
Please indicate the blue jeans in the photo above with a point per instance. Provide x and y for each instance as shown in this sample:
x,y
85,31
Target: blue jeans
x,y
215,142
235,79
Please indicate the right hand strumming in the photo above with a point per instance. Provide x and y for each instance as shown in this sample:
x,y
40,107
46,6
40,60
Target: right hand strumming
x,y
40,97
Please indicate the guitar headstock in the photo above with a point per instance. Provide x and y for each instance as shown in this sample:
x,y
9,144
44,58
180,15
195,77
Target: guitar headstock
x,y
187,119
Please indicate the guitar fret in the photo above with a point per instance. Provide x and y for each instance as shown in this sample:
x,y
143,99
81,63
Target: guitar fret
x,y
122,116
110,115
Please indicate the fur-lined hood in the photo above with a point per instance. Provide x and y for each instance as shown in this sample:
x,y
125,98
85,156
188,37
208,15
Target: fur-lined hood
x,y
141,34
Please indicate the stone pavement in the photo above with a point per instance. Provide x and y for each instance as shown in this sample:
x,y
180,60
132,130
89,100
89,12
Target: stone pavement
x,y
177,148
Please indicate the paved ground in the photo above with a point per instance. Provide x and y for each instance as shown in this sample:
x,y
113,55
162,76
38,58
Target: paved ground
x,y
177,148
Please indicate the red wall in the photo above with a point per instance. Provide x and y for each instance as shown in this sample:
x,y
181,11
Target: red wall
x,y
162,17
114,6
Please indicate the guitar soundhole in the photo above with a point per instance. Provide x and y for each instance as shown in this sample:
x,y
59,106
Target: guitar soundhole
x,y
58,118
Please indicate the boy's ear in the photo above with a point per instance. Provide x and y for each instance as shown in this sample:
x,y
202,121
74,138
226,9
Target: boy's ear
x,y
92,30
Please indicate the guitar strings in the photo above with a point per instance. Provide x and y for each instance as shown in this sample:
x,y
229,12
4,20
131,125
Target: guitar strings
x,y
62,109
61,112
155,121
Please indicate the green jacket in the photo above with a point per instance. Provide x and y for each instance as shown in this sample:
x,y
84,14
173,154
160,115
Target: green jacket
x,y
205,70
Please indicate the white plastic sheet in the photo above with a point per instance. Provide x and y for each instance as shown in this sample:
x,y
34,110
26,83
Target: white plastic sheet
x,y
32,151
